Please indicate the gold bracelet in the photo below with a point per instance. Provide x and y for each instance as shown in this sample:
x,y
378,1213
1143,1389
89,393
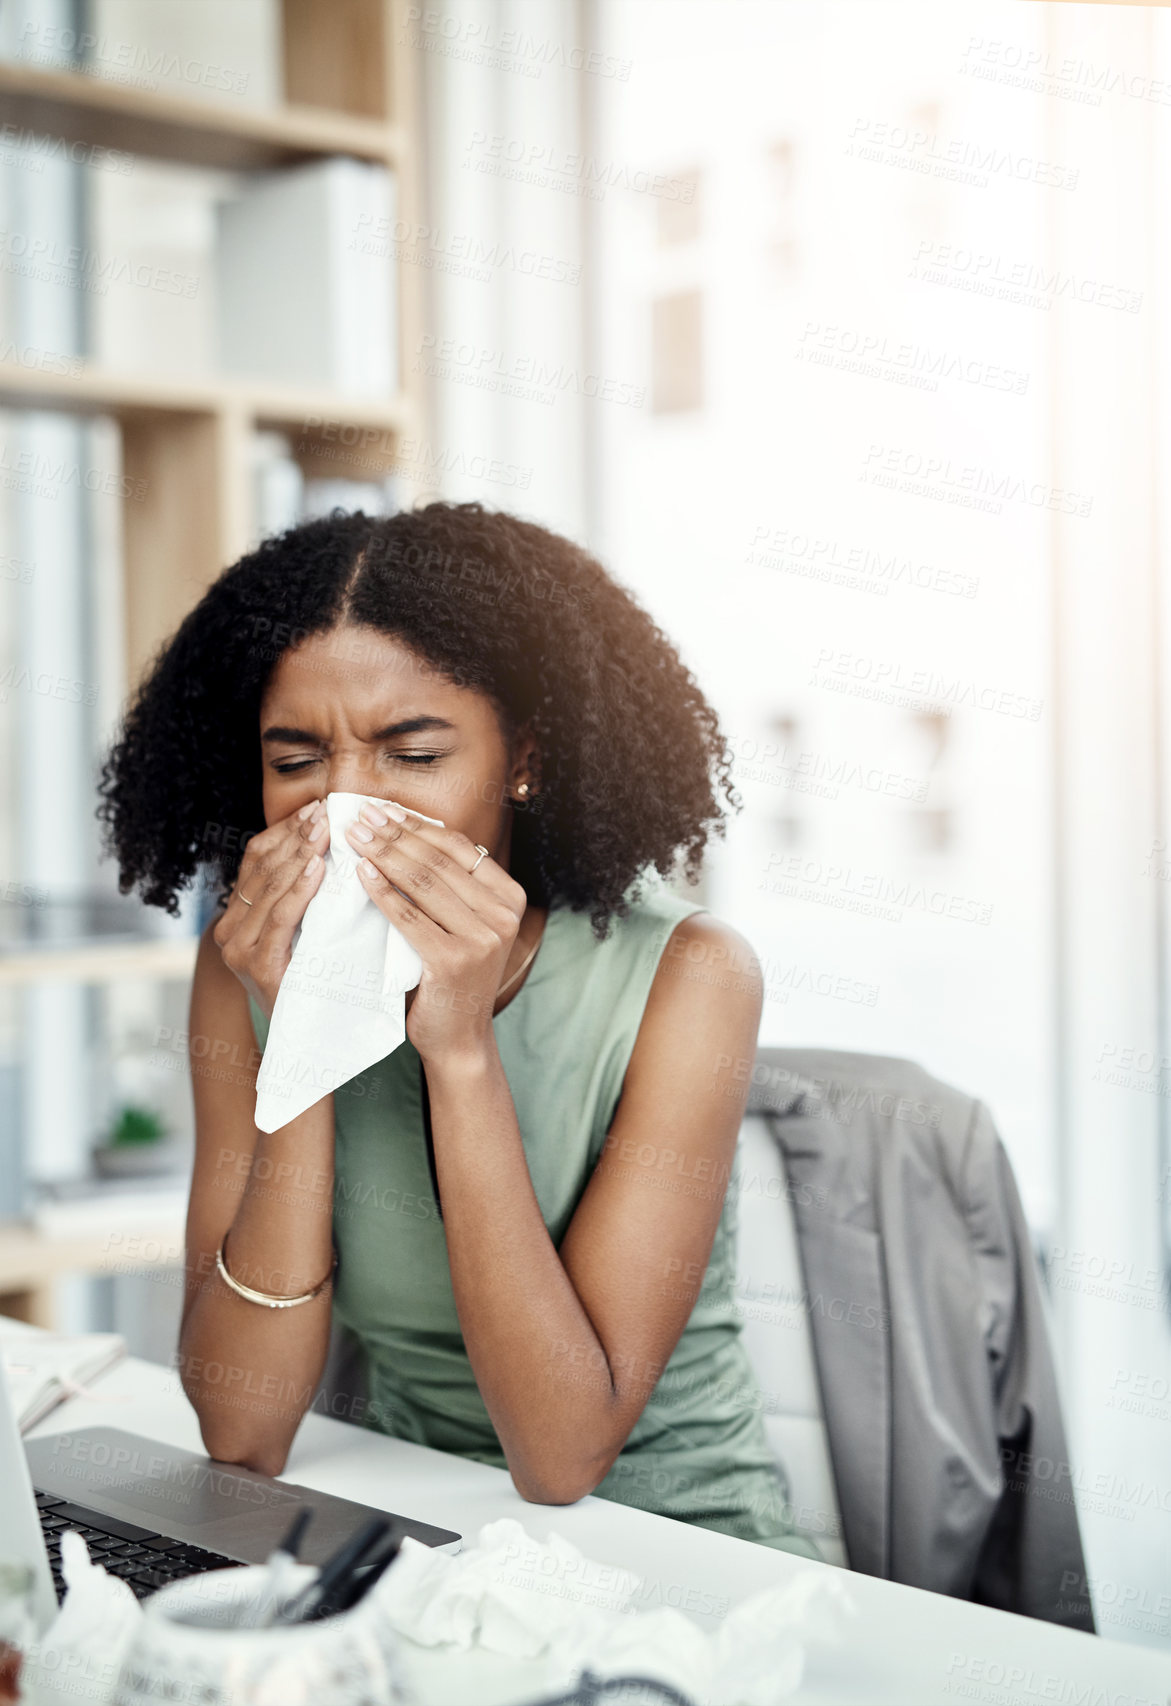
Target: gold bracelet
x,y
269,1301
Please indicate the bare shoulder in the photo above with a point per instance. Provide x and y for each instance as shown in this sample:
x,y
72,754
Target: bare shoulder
x,y
703,1011
707,954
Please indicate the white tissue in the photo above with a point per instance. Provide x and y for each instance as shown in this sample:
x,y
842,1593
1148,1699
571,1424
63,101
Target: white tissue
x,y
482,1597
755,1658
79,1655
524,1598
341,1004
510,1595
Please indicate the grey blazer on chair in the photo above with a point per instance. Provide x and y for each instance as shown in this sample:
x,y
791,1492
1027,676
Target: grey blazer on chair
x,y
929,1333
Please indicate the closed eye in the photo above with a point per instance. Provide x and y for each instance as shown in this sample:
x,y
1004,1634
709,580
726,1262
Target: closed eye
x,y
402,758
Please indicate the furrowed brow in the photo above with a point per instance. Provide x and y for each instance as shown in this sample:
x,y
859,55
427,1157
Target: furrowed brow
x,y
411,726
279,733
291,737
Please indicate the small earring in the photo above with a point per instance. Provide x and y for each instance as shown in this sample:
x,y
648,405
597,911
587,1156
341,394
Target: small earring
x,y
522,789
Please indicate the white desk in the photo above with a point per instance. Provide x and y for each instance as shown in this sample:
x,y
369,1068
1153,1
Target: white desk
x,y
905,1648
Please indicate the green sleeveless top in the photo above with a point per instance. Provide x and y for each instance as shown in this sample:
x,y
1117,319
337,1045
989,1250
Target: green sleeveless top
x,y
698,1452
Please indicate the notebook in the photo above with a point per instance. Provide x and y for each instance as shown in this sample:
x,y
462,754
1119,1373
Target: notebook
x,y
44,1369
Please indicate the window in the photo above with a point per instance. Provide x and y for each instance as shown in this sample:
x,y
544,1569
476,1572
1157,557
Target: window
x,y
933,826
677,353
783,247
679,216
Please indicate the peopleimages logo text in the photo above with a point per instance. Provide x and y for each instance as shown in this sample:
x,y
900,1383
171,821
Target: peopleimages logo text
x,y
515,151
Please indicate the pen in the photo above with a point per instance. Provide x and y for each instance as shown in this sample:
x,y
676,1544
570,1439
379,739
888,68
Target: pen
x,y
279,1565
359,1585
333,1573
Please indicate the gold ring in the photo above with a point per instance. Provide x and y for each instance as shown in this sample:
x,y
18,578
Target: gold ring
x,y
483,852
244,898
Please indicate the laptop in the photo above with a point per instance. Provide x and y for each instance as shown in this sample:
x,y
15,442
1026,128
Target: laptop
x,y
153,1514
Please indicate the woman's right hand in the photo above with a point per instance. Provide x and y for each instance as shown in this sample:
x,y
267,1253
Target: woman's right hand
x,y
280,873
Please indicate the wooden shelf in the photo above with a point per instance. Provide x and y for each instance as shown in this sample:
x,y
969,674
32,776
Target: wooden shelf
x,y
140,395
31,1261
101,962
29,1256
167,126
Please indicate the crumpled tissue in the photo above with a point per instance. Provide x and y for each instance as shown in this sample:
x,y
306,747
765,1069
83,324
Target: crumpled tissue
x,y
341,1004
80,1653
511,1595
514,1595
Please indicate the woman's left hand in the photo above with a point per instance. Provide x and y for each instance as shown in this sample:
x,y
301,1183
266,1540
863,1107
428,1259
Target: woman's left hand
x,y
461,925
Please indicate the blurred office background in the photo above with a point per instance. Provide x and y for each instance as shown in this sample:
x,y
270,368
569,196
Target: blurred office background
x,y
840,332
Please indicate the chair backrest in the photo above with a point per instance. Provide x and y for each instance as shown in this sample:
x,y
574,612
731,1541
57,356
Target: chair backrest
x,y
773,1304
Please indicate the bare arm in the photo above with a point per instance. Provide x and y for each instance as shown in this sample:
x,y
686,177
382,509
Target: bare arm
x,y
567,1345
250,1371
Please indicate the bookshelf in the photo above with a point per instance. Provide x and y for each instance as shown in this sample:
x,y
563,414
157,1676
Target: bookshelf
x,y
185,449
350,89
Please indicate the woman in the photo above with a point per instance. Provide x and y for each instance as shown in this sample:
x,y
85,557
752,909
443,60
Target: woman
x,y
545,1279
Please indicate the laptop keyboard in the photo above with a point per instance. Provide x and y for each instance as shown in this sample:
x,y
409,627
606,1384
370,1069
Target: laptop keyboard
x,y
144,1560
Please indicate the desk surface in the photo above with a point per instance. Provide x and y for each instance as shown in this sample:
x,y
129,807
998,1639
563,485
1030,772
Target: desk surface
x,y
904,1648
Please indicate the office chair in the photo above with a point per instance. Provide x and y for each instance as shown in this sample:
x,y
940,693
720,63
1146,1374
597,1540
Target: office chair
x,y
893,1313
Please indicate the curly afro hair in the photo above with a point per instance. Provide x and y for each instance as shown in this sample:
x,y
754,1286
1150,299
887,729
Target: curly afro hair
x,y
631,758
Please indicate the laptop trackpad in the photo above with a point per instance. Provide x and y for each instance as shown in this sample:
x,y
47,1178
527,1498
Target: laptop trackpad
x,y
209,1500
